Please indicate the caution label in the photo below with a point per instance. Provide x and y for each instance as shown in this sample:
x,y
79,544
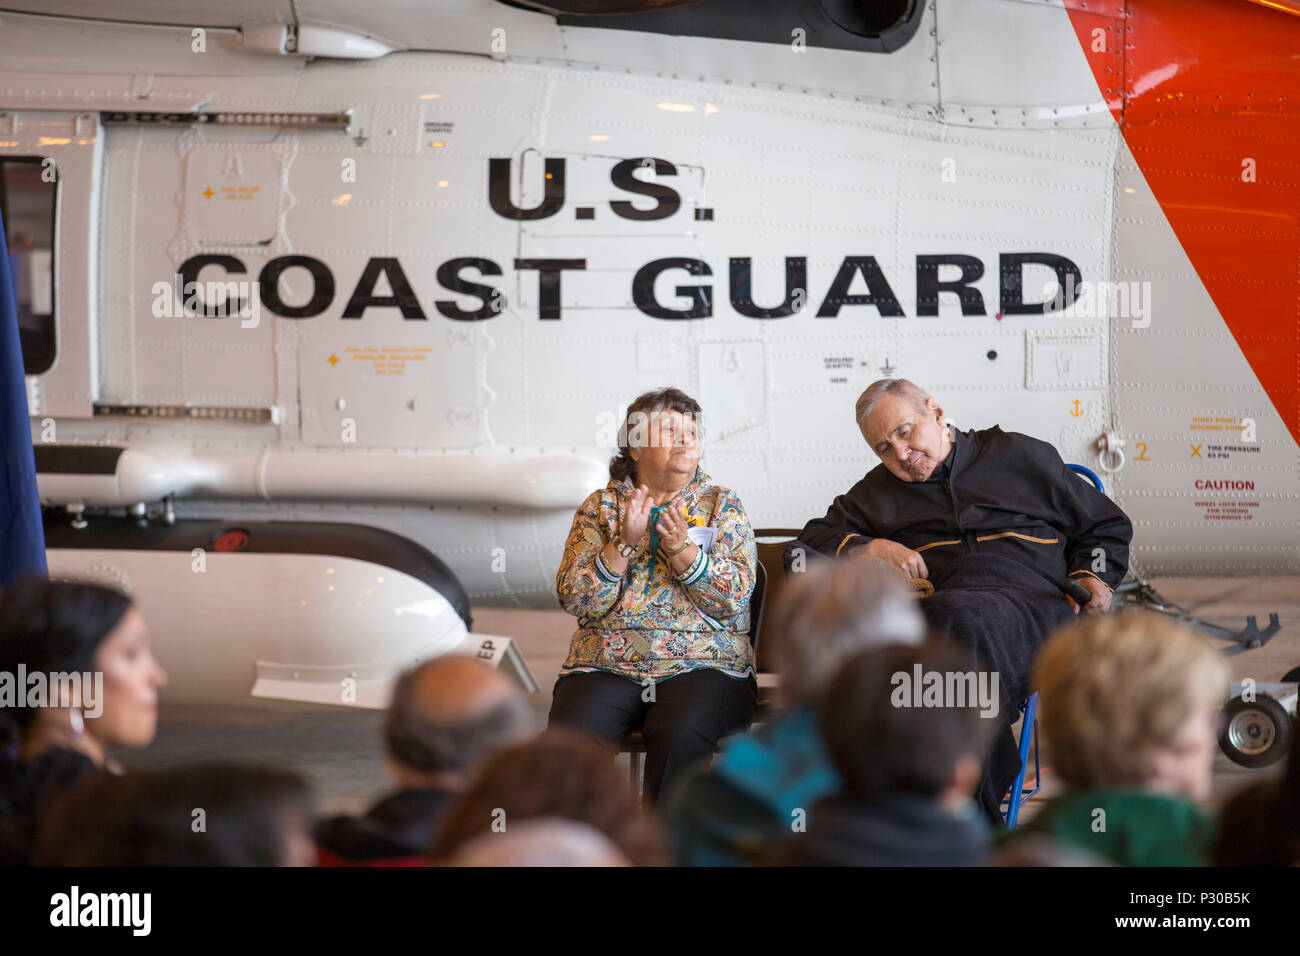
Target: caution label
x,y
1227,510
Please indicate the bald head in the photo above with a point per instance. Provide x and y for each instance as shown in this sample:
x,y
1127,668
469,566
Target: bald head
x,y
448,713
455,688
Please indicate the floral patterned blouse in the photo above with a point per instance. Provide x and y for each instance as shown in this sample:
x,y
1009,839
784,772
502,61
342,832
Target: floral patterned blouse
x,y
650,623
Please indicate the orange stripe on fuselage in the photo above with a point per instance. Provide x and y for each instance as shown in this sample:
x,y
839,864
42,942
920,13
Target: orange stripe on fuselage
x,y
1233,94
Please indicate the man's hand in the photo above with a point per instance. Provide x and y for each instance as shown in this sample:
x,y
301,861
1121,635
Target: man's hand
x,y
1101,595
899,555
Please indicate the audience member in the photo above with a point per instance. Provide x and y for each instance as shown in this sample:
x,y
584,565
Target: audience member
x,y
565,774
735,811
1129,706
445,716
541,842
209,815
76,679
908,765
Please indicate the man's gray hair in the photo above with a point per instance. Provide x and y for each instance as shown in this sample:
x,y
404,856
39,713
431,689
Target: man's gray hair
x,y
833,611
888,386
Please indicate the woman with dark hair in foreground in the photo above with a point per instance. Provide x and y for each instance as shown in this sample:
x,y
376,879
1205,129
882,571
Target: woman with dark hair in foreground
x,y
561,775
209,815
76,679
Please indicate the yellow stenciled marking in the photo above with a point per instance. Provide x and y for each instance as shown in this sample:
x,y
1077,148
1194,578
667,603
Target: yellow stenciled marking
x,y
389,359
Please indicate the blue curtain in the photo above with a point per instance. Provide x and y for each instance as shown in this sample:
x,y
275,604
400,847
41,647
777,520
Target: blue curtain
x,y
22,539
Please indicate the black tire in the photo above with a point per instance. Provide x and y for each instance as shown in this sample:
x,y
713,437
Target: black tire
x,y
1255,733
1292,676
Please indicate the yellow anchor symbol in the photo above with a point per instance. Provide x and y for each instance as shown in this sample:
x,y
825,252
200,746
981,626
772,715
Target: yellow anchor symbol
x,y
1077,412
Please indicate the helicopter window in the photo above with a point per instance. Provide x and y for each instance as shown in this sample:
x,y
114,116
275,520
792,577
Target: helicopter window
x,y
28,186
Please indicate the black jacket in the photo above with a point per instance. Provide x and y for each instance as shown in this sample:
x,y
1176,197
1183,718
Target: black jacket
x,y
399,826
999,493
895,829
26,789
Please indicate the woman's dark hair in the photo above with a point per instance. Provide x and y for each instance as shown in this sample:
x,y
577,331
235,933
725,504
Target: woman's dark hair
x,y
562,774
660,400
27,789
880,747
208,815
51,626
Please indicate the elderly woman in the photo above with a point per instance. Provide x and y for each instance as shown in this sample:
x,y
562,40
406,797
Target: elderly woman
x,y
658,568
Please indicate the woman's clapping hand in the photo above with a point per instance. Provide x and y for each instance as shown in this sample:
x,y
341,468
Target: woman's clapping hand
x,y
672,527
636,520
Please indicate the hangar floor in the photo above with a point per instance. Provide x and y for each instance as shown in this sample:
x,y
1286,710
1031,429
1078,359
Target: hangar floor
x,y
339,748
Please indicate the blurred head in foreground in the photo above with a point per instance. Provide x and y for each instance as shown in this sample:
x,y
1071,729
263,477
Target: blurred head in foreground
x,y
832,611
560,774
105,693
1131,701
881,747
209,815
544,841
445,716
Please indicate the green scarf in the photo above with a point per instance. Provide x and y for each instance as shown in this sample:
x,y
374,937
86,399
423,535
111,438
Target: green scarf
x,y
654,542
1129,827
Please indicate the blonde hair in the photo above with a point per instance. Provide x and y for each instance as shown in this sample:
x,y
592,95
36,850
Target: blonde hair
x,y
831,612
1118,689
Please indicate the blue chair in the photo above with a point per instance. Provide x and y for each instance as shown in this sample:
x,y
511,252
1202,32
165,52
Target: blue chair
x,y
1018,795
1089,474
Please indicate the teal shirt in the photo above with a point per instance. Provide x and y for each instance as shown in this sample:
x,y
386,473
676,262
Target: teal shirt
x,y
734,812
1128,827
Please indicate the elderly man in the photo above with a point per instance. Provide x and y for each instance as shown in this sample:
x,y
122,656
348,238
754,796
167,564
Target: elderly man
x,y
445,717
993,520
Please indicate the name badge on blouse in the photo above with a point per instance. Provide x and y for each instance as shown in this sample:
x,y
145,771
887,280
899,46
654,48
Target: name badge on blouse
x,y
704,537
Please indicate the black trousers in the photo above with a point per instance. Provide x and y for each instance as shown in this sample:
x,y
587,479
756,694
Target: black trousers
x,y
683,724
1001,612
